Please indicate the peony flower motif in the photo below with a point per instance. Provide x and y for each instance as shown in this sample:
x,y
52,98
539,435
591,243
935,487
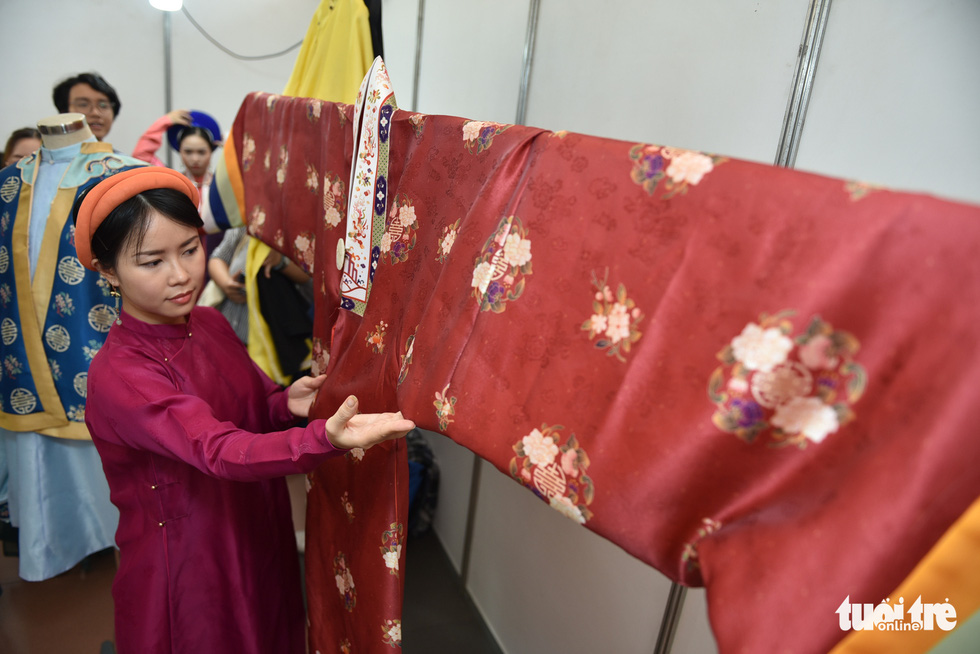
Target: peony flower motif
x,y
540,449
448,241
258,217
815,353
357,453
738,385
599,323
332,217
391,558
517,250
564,506
248,148
619,323
689,167
761,349
344,582
481,277
808,416
301,243
472,129
406,216
386,242
569,463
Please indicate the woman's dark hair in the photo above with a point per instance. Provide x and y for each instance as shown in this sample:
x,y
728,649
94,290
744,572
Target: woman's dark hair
x,y
196,131
94,80
129,221
15,137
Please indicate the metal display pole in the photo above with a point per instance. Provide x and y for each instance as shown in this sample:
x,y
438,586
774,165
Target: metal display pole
x,y
806,67
418,56
532,28
672,617
167,76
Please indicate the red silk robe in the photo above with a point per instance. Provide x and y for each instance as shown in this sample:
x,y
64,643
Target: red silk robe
x,y
751,378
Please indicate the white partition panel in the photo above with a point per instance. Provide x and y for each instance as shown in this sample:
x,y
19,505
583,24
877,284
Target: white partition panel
x,y
707,75
455,471
896,98
471,58
693,634
546,584
400,22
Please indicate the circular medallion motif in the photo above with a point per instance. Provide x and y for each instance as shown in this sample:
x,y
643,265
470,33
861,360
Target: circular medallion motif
x,y
22,401
71,271
57,338
100,317
785,388
80,384
4,259
8,331
550,480
781,384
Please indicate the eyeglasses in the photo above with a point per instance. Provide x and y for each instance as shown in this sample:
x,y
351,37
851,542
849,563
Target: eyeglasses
x,y
83,105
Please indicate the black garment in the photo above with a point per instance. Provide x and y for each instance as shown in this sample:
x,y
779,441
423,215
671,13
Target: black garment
x,y
374,18
423,483
287,313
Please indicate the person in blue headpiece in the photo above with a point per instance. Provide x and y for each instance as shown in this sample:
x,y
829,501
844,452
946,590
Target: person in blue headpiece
x,y
194,135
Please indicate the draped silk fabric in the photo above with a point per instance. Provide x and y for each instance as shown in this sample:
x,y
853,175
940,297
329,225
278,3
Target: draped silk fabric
x,y
751,378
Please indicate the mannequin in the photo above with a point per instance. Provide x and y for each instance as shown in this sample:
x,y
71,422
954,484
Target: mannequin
x,y
62,130
58,496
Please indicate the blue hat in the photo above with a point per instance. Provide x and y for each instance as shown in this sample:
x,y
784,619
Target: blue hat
x,y
198,119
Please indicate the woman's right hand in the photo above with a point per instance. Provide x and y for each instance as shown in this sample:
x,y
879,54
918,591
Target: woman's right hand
x,y
347,428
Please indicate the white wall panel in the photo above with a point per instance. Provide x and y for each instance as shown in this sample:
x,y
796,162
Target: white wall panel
x,y
897,96
546,584
455,471
471,58
709,75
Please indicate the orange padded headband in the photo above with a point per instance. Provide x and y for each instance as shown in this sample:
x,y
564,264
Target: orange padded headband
x,y
113,191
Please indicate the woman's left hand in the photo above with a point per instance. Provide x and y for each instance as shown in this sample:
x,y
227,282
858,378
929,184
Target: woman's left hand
x,y
301,394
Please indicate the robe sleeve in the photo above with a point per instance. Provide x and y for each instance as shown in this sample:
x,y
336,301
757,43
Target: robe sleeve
x,y
150,141
139,405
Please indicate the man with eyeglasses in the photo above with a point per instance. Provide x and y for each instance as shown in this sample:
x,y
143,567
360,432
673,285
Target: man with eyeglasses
x,y
91,95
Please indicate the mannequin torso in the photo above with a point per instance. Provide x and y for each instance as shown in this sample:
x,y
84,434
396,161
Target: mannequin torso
x,y
62,130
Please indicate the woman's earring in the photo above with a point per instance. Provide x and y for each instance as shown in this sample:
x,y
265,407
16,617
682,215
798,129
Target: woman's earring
x,y
114,292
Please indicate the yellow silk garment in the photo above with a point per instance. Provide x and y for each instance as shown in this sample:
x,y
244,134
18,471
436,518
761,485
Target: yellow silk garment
x,y
335,55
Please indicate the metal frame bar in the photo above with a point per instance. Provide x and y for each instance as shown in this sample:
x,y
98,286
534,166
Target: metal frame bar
x,y
167,76
806,67
532,28
672,617
418,55
464,571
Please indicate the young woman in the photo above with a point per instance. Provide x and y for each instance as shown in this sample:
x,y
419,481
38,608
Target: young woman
x,y
21,143
194,439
